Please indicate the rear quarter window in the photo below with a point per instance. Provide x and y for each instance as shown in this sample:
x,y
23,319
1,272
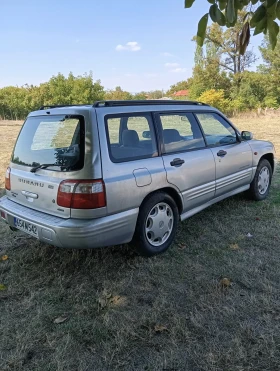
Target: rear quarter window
x,y
130,137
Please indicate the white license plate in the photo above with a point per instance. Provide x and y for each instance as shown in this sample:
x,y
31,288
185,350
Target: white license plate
x,y
26,227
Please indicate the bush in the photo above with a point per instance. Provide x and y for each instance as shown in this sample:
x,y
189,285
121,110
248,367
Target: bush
x,y
216,98
271,102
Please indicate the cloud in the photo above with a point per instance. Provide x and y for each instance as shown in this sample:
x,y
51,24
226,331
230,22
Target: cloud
x,y
131,46
166,54
171,65
178,70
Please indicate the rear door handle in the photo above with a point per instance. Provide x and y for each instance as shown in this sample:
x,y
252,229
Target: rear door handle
x,y
221,153
29,194
177,162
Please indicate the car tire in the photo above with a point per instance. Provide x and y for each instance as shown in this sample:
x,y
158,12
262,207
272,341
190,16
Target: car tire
x,y
260,185
156,225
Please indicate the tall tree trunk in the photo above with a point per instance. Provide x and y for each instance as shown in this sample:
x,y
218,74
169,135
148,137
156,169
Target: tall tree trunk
x,y
234,64
238,63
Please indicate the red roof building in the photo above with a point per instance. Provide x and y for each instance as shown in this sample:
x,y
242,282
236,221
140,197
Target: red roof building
x,y
181,93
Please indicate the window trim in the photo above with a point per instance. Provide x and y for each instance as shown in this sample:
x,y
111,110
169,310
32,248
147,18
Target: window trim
x,y
131,114
201,128
160,129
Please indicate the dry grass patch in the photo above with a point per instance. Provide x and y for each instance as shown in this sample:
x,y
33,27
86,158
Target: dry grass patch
x,y
263,127
8,135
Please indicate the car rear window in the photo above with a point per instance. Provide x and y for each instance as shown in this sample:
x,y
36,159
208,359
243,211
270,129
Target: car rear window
x,y
57,140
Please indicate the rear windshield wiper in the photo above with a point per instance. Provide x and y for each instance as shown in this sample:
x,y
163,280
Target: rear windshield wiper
x,y
44,166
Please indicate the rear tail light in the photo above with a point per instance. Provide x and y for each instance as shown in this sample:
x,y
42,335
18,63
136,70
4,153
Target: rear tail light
x,y
8,179
3,215
82,194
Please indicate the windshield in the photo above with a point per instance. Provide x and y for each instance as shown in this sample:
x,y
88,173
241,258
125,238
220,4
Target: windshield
x,y
57,140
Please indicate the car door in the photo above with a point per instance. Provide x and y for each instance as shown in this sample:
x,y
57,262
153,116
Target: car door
x,y
233,157
189,165
132,167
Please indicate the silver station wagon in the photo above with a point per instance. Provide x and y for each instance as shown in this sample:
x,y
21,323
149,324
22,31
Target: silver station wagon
x,y
120,171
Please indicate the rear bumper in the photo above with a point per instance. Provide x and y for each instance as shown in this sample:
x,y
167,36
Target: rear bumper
x,y
75,233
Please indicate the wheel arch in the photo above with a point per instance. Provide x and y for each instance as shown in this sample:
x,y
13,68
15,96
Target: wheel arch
x,y
172,193
270,158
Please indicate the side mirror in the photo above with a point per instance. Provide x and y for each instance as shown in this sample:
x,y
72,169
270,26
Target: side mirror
x,y
246,135
146,134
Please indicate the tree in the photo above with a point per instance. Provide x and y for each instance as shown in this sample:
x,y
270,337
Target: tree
x,y
271,67
12,101
181,85
251,90
17,102
140,96
223,45
155,94
225,13
207,75
118,94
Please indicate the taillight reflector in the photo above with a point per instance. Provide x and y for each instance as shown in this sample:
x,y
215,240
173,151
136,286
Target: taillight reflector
x,y
82,194
8,179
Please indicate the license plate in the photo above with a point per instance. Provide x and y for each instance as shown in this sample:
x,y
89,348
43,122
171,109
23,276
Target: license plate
x,y
26,227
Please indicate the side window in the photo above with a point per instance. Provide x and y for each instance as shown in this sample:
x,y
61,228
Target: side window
x,y
114,130
181,133
141,125
216,129
131,137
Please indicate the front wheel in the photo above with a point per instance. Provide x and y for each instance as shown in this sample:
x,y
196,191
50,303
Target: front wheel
x,y
260,185
156,225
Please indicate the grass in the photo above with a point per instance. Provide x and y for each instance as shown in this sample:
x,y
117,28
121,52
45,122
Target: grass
x,y
210,303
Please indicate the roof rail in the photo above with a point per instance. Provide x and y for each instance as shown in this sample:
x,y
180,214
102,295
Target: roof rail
x,y
118,103
61,105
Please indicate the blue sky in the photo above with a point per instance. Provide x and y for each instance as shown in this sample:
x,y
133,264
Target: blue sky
x,y
137,44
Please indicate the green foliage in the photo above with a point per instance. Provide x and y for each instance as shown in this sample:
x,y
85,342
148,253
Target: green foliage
x,y
221,67
117,94
217,99
201,29
17,102
225,13
222,44
155,94
271,102
207,76
252,88
140,96
271,68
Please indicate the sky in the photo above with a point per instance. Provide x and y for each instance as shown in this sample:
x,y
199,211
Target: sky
x,y
135,44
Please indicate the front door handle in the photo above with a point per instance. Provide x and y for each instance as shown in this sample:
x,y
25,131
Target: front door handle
x,y
177,162
221,153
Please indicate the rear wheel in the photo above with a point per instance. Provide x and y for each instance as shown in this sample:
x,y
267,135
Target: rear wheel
x,y
260,185
156,225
